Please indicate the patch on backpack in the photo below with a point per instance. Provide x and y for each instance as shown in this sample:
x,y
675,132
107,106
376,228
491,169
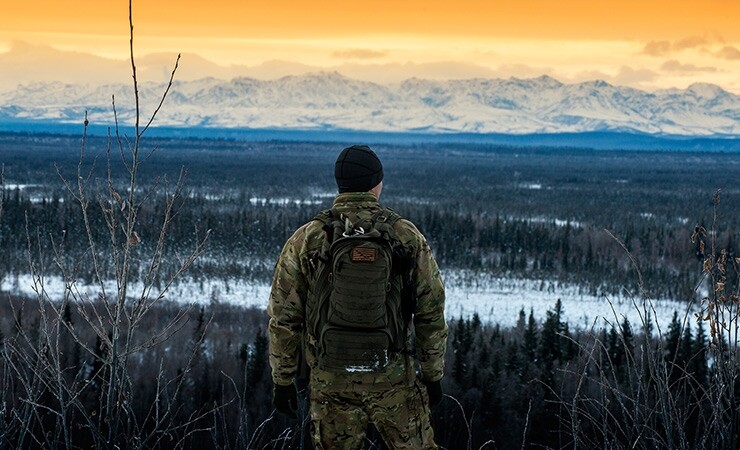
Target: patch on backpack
x,y
364,254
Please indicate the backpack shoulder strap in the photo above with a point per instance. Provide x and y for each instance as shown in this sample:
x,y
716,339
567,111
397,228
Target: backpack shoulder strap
x,y
384,221
403,265
327,217
386,215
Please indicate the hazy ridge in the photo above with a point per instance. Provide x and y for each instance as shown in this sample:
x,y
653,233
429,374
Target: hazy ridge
x,y
329,101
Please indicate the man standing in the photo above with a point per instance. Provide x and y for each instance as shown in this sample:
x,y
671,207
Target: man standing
x,y
348,289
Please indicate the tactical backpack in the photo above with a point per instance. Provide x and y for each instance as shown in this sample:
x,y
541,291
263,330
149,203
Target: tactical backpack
x,y
360,297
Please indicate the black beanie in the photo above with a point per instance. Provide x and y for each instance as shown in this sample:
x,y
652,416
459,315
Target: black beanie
x,y
358,169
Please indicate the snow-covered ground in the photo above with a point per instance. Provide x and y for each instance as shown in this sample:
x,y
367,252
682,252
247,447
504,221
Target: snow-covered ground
x,y
496,300
499,300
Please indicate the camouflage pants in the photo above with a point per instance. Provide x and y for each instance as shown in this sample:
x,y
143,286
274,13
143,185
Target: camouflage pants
x,y
401,414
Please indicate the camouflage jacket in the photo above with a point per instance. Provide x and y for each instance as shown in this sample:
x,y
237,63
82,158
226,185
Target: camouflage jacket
x,y
290,290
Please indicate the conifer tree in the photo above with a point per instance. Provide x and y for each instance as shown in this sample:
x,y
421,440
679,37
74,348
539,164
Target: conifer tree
x,y
475,323
648,326
460,348
612,344
549,348
569,347
698,362
70,358
18,321
686,348
243,354
496,334
197,384
628,338
552,339
673,337
521,323
256,364
565,248
624,351
672,348
512,350
484,354
490,401
530,338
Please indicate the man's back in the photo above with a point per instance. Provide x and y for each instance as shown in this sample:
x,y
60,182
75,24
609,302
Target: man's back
x,y
292,279
395,398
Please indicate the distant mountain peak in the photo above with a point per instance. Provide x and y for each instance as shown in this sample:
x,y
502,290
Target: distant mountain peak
x,y
322,74
706,90
548,81
331,101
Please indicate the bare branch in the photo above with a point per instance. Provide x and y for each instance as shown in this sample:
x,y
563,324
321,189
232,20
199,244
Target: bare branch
x,y
164,95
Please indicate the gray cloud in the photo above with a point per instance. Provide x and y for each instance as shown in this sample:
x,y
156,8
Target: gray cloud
x,y
657,48
676,66
690,42
663,48
359,53
629,76
729,52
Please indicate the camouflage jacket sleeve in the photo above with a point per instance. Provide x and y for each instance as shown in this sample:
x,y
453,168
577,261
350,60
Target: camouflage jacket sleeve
x,y
286,309
429,319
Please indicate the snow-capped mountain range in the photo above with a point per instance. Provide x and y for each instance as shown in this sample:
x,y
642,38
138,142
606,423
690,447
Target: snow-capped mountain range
x,y
328,100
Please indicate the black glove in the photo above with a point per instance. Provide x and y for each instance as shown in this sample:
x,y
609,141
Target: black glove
x,y
285,400
434,392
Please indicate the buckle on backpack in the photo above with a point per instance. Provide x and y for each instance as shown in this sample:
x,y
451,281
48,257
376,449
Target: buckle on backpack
x,y
359,231
382,218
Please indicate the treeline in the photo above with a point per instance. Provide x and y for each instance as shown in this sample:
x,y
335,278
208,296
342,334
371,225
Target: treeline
x,y
246,237
518,212
539,384
207,385
542,385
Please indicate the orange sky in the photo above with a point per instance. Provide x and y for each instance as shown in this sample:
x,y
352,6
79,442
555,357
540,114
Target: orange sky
x,y
647,43
580,19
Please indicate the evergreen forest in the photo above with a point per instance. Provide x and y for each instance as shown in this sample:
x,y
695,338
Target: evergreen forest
x,y
124,364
